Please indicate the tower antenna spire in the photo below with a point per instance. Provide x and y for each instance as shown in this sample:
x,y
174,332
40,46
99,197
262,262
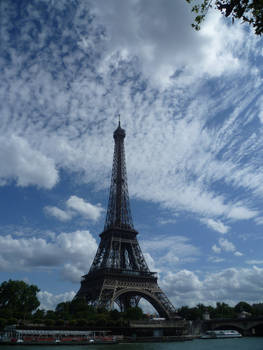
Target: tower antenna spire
x,y
119,213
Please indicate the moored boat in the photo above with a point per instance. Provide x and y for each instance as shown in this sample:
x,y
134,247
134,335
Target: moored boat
x,y
55,337
219,334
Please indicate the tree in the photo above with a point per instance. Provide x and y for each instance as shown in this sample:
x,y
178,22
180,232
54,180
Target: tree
x,y
249,11
223,310
257,309
134,313
78,308
115,315
18,298
39,314
243,306
63,310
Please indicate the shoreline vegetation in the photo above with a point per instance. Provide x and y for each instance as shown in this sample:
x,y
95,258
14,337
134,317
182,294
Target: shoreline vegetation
x,y
19,305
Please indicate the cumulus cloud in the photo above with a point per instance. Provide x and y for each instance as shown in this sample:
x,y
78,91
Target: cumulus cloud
x,y
226,245
24,164
71,253
229,285
49,301
187,288
75,206
84,208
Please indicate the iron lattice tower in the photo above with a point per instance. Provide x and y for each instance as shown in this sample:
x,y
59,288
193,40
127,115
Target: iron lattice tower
x,y
119,272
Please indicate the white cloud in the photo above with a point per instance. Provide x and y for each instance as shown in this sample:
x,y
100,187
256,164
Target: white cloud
x,y
151,262
160,35
216,249
216,225
184,281
49,301
259,220
24,164
73,252
58,121
226,245
194,144
169,250
254,262
73,272
241,213
166,221
75,206
215,259
58,213
84,208
236,253
230,285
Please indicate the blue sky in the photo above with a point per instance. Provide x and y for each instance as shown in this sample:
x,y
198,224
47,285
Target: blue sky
x,y
192,107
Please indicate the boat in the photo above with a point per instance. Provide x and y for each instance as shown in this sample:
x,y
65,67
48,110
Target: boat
x,y
15,336
219,334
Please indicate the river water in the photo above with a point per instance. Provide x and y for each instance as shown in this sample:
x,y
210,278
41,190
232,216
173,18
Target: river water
x,y
197,344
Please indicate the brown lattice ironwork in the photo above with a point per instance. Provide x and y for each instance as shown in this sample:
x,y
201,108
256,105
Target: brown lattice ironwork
x,y
119,273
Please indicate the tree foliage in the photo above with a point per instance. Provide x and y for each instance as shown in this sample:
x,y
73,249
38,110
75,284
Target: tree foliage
x,y
18,299
243,306
134,313
221,310
249,11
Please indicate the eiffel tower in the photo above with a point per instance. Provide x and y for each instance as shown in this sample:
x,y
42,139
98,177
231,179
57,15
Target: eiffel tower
x,y
119,272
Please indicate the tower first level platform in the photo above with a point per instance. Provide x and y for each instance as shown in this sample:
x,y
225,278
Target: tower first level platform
x,y
124,287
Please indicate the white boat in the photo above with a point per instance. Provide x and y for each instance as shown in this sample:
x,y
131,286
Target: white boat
x,y
229,333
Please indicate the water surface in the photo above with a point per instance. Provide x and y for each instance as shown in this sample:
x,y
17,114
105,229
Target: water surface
x,y
197,344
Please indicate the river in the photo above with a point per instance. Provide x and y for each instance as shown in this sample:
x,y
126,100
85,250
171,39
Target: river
x,y
197,344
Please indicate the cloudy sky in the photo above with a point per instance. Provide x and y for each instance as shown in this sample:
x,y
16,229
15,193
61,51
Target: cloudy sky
x,y
192,107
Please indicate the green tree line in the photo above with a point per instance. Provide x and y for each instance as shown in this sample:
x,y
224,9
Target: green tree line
x,y
19,305
221,310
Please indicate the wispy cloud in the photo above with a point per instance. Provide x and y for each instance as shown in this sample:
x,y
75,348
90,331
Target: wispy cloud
x,y
216,225
177,148
170,250
226,246
254,262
